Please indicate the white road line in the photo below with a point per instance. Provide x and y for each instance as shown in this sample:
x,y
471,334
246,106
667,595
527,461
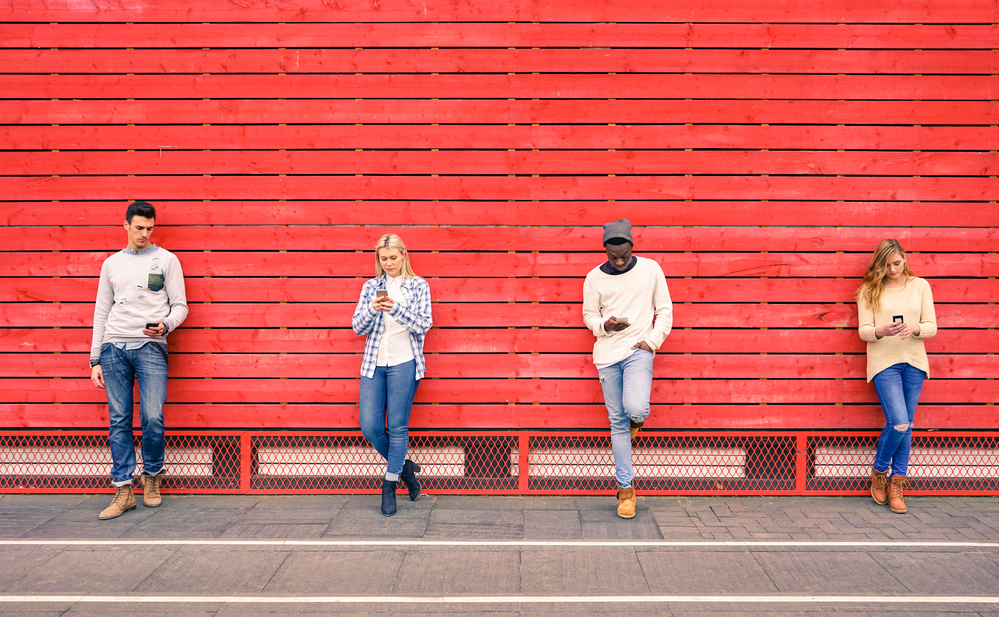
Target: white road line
x,y
552,543
879,599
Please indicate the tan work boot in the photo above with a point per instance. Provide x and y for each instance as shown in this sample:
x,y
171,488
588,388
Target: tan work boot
x,y
635,428
879,486
151,490
896,503
123,501
626,502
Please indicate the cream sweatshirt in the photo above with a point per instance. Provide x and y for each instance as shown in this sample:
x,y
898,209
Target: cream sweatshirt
x,y
640,295
914,302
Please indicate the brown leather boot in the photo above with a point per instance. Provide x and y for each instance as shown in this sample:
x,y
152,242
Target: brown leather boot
x,y
896,503
151,490
123,501
635,428
879,486
626,502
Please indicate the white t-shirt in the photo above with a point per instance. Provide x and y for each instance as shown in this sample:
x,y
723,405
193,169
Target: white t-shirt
x,y
395,346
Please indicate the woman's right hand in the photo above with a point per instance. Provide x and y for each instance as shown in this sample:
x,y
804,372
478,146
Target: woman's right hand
x,y
889,329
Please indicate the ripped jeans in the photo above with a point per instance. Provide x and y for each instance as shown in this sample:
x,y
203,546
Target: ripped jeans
x,y
627,387
898,389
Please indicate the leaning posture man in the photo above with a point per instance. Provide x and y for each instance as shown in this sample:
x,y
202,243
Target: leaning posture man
x,y
140,299
627,306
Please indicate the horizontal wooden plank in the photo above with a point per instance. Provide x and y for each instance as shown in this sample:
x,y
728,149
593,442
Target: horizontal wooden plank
x,y
478,137
563,239
499,340
548,85
502,35
499,187
471,111
574,162
517,213
547,416
780,11
482,289
458,60
562,391
520,365
495,315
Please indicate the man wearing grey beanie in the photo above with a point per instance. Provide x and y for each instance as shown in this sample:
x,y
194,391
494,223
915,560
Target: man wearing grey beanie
x,y
626,305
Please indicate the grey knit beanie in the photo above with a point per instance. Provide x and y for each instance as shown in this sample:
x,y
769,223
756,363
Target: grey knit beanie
x,y
620,228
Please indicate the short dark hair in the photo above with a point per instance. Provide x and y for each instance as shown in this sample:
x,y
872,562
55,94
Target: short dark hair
x,y
140,208
616,241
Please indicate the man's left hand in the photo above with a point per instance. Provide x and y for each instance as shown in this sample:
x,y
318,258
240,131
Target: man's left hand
x,y
155,332
642,345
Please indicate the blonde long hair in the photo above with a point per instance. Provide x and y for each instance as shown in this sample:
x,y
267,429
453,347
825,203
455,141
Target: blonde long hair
x,y
877,271
392,241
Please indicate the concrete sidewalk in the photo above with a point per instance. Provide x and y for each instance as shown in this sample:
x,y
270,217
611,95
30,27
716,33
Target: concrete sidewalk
x,y
519,556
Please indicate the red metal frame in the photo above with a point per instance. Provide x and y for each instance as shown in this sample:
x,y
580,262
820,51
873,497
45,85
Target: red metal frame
x,y
492,462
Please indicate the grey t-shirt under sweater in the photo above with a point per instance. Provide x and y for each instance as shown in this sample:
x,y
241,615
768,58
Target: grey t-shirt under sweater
x,y
136,288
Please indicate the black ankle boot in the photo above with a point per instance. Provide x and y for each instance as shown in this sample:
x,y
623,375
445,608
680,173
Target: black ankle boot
x,y
409,471
388,497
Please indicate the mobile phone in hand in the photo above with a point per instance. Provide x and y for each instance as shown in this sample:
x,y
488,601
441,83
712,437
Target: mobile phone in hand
x,y
381,293
152,324
897,318
622,320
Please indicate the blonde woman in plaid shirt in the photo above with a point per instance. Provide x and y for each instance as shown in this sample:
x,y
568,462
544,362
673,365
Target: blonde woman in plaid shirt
x,y
394,313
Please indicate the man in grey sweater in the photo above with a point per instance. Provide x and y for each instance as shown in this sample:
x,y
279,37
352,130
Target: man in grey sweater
x,y
140,299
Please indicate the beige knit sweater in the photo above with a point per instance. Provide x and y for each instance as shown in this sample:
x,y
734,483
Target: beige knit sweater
x,y
914,302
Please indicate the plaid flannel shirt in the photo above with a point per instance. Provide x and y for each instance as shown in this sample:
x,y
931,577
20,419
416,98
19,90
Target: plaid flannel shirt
x,y
415,315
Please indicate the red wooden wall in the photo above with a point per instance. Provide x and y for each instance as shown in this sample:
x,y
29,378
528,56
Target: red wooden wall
x,y
761,150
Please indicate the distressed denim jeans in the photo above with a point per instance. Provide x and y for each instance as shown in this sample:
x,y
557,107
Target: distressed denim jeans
x,y
387,399
627,387
121,368
898,388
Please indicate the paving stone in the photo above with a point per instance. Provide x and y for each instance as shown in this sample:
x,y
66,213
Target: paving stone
x,y
276,532
291,516
704,574
597,571
458,571
16,564
303,502
212,573
552,525
40,502
936,573
337,573
368,522
502,524
96,530
91,572
607,525
825,572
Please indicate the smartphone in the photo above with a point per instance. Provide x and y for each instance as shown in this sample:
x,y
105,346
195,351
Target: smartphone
x,y
897,318
381,293
152,324
622,320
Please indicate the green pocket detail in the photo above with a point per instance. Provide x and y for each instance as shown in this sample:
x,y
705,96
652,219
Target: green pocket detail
x,y
156,282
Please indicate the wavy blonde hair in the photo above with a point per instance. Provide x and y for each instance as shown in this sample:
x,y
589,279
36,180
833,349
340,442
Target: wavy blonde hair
x,y
392,241
877,271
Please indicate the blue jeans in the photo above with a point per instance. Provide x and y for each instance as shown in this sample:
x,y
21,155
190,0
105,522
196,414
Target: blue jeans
x,y
627,388
898,388
388,395
121,368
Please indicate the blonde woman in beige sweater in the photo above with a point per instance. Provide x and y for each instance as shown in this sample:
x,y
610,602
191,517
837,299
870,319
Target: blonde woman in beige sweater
x,y
896,314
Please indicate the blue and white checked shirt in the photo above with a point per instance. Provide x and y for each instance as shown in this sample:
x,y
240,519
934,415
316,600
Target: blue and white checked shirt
x,y
415,315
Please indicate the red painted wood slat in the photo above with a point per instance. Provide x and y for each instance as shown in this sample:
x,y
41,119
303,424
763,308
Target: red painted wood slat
x,y
556,239
496,187
496,315
450,60
518,213
452,391
458,111
548,85
191,11
425,416
550,137
482,289
503,35
630,162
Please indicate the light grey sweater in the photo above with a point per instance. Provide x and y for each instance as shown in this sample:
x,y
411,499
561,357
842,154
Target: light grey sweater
x,y
136,288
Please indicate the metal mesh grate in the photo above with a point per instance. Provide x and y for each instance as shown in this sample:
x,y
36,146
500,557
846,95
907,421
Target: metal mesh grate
x,y
937,463
507,462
